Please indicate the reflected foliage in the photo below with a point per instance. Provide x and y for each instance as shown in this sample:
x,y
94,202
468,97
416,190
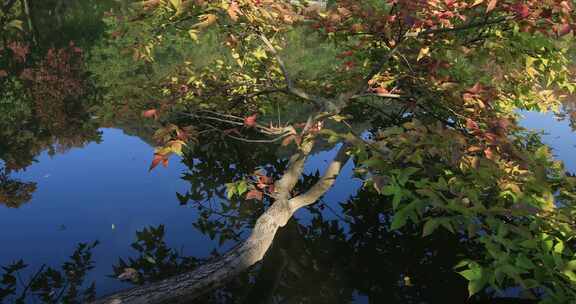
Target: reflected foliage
x,y
45,96
339,254
211,166
569,111
449,178
155,260
331,261
43,112
14,193
49,285
58,22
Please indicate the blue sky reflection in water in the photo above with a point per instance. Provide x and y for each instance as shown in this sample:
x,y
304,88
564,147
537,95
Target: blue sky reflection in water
x,y
101,192
104,192
557,134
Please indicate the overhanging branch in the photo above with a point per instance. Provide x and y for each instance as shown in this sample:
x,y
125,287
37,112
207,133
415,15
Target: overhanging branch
x,y
185,287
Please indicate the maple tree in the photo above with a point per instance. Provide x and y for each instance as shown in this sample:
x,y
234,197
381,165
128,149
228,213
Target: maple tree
x,y
44,91
41,106
439,83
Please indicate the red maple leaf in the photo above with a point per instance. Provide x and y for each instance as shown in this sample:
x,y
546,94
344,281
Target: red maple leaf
x,y
489,153
158,158
563,29
250,121
345,54
380,91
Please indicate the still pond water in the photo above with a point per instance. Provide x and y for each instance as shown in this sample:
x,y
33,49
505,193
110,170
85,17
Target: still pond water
x,y
103,191
97,187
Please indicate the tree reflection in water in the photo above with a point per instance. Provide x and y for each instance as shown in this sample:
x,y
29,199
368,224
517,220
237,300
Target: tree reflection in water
x,y
320,260
316,261
42,108
14,193
22,142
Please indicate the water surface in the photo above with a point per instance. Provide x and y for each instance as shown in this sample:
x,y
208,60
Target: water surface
x,y
103,191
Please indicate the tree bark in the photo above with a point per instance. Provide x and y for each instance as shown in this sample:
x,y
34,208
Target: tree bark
x,y
273,267
190,285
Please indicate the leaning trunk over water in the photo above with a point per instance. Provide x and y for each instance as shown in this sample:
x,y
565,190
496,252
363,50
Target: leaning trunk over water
x,y
190,285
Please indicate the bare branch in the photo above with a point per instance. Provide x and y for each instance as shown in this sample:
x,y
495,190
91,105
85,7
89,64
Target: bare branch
x,y
390,96
236,121
188,286
325,183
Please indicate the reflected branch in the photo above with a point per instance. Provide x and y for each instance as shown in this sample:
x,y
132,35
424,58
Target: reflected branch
x,y
215,273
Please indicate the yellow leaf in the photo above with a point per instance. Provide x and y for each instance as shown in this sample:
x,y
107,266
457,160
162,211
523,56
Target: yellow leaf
x,y
177,4
206,20
423,53
260,54
163,151
193,34
176,146
340,118
530,70
477,2
17,24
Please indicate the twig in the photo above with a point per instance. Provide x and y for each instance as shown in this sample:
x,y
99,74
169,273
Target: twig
x,y
367,143
272,49
335,213
273,140
23,294
390,96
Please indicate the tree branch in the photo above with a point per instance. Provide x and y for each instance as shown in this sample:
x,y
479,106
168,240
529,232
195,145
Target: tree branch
x,y
325,182
290,88
185,287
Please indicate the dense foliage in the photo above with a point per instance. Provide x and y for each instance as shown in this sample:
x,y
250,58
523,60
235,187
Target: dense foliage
x,y
439,82
50,285
424,95
45,93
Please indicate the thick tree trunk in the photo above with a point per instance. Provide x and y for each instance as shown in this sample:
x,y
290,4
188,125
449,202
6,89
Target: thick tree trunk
x,y
273,267
188,286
